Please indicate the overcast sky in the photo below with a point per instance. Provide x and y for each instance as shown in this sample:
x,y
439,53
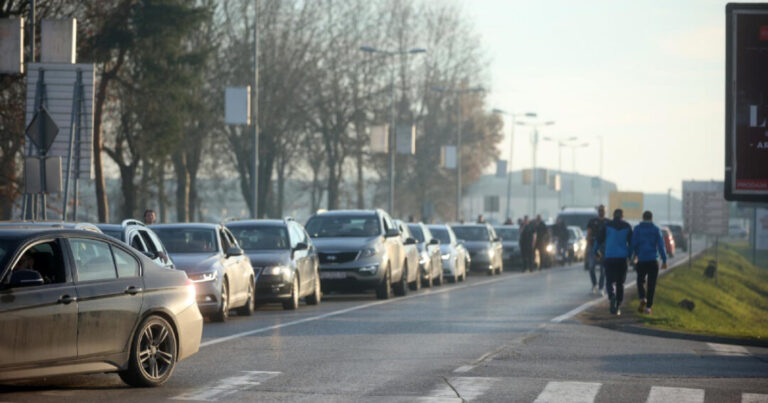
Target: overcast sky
x,y
646,75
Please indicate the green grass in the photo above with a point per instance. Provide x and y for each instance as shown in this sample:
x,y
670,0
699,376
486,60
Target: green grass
x,y
745,250
737,306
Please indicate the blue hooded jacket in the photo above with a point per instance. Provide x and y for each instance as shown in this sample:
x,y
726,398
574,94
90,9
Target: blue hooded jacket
x,y
615,238
647,243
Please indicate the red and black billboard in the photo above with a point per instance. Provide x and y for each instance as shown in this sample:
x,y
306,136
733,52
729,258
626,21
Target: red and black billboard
x,y
746,115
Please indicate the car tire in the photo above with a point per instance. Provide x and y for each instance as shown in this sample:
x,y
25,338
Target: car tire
x,y
223,313
153,354
317,293
401,288
384,290
250,303
416,284
293,303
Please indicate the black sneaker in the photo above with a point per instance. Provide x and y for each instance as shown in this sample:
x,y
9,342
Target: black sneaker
x,y
614,307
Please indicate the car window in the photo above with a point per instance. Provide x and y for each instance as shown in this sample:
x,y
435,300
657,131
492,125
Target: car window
x,y
418,234
442,234
261,237
127,266
136,242
472,233
150,245
188,240
332,226
231,238
294,233
45,258
508,234
93,260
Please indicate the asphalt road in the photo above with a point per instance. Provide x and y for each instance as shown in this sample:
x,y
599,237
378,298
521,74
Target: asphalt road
x,y
508,338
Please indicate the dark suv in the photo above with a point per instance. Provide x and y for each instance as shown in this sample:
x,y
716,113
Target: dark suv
x,y
136,234
284,260
359,250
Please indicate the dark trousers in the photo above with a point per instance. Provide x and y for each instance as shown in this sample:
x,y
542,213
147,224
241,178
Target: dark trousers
x,y
649,270
526,253
615,275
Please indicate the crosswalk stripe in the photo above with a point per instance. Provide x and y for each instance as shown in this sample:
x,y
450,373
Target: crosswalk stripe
x,y
660,394
571,392
228,386
754,398
728,349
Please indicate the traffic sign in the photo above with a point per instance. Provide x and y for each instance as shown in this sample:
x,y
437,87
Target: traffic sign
x,y
705,211
49,130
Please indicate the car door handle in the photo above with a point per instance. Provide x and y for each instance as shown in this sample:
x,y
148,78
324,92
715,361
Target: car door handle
x,y
67,299
133,290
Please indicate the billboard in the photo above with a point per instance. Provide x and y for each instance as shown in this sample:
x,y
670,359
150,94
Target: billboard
x,y
746,114
630,202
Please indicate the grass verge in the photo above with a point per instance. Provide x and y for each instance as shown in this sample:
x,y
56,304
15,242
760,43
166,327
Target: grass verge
x,y
737,306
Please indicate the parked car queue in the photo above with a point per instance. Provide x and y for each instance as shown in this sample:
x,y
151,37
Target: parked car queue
x,y
131,299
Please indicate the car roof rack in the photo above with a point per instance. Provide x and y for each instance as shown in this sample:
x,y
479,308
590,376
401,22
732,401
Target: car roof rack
x,y
132,221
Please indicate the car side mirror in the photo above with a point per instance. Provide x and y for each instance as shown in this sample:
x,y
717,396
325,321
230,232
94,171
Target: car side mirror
x,y
25,278
391,233
301,246
410,241
434,241
234,251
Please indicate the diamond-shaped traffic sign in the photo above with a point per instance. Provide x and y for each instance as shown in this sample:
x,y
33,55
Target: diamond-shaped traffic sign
x,y
49,130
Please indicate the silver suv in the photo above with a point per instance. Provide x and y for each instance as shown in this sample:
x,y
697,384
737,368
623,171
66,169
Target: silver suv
x,y
136,234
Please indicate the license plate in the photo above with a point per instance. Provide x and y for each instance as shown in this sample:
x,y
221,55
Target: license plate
x,y
328,275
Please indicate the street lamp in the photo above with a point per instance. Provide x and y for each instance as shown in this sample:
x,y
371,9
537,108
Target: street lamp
x,y
573,148
512,116
535,143
392,134
561,142
458,92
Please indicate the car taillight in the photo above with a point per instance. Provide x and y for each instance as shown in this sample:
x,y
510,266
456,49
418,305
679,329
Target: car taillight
x,y
191,293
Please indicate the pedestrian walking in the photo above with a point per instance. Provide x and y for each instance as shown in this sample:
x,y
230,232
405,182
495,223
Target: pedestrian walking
x,y
542,240
527,240
592,260
615,239
150,217
560,232
647,246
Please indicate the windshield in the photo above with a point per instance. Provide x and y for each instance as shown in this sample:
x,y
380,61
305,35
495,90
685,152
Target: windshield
x,y
188,240
333,226
417,232
578,220
508,234
472,233
441,234
262,237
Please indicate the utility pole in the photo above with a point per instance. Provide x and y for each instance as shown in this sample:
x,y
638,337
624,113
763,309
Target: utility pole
x,y
535,143
513,116
255,117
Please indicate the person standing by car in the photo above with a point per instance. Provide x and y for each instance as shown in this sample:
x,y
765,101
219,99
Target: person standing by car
x,y
542,239
615,239
594,227
647,246
527,239
150,217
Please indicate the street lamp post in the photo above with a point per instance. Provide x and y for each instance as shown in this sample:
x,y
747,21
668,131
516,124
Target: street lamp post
x,y
512,116
458,92
391,147
535,143
573,148
561,142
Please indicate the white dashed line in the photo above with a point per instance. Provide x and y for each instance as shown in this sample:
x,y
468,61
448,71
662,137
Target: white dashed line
x,y
754,398
228,386
661,394
569,392
464,368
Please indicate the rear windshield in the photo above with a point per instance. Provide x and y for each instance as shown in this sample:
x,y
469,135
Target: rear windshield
x,y
441,234
472,233
261,237
333,226
508,234
578,220
188,240
417,232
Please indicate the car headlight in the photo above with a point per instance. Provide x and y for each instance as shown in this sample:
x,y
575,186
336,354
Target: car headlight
x,y
491,252
367,252
550,248
372,269
203,277
446,256
278,270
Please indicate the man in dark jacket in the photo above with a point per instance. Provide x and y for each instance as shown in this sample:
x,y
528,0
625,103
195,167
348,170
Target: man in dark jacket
x,y
594,227
527,238
647,246
615,240
542,240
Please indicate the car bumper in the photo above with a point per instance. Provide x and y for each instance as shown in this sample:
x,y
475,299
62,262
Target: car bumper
x,y
272,289
352,275
189,325
208,296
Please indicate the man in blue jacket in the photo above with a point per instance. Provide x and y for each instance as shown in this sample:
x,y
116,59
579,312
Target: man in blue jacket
x,y
648,245
615,239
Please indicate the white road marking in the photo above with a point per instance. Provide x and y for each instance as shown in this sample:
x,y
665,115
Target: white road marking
x,y
228,386
728,350
470,388
754,398
464,368
589,304
355,308
661,394
570,392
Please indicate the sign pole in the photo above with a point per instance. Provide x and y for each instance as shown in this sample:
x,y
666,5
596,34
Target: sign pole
x,y
41,151
754,236
72,128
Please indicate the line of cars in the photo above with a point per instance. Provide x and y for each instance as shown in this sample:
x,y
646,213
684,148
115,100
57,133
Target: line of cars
x,y
131,298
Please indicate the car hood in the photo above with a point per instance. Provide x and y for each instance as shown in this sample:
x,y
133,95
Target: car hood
x,y
510,244
476,246
269,258
195,262
344,244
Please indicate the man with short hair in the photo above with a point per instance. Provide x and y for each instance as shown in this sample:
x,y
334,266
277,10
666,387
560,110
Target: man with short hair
x,y
594,227
647,246
527,239
150,217
615,240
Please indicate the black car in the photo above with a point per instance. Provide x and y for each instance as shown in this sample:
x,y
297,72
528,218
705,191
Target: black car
x,y
213,260
510,242
483,245
430,263
284,260
81,302
359,250
141,238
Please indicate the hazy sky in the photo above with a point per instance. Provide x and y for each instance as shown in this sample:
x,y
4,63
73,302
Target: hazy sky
x,y
646,75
